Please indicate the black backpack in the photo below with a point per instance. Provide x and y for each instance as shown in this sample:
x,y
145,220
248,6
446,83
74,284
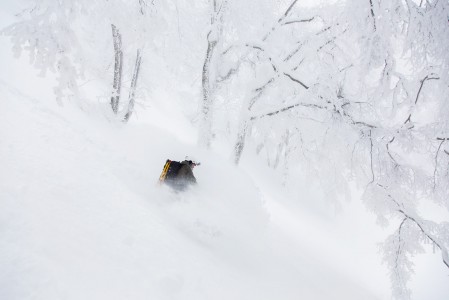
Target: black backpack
x,y
171,169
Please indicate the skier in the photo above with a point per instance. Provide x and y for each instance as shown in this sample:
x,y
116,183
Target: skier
x,y
178,175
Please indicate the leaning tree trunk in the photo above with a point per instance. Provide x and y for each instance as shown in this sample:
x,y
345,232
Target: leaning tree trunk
x,y
117,83
206,110
132,90
240,143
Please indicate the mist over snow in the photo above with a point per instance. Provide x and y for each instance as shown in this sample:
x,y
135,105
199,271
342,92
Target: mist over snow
x,y
82,212
83,217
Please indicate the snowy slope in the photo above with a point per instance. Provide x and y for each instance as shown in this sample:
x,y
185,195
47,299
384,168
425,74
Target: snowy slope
x,y
84,218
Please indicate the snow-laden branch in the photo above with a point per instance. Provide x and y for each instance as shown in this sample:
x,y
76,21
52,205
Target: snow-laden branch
x,y
428,77
372,14
296,80
281,19
332,109
444,252
419,223
371,157
277,66
275,112
287,11
436,164
298,21
389,153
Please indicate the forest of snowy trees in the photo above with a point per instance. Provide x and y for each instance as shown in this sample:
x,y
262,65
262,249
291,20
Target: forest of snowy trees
x,y
347,91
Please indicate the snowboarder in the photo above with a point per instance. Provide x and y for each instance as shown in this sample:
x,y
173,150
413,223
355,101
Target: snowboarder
x,y
178,175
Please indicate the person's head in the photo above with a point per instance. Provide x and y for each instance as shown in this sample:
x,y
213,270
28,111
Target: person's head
x,y
192,163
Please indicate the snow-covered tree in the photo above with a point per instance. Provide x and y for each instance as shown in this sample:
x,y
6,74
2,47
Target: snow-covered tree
x,y
73,40
354,91
404,83
372,107
46,32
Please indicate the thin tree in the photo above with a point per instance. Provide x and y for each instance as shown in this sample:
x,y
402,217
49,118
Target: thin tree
x,y
118,66
132,90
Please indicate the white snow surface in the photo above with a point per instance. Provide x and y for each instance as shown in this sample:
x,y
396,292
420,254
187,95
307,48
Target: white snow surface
x,y
83,217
